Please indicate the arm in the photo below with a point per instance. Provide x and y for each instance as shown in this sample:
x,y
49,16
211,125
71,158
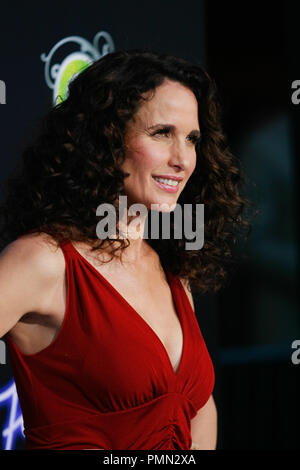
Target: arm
x,y
204,427
204,424
28,270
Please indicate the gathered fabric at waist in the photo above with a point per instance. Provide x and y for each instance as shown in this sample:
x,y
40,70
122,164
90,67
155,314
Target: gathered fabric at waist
x,y
161,424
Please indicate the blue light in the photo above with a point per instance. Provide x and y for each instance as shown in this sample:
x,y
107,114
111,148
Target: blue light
x,y
14,425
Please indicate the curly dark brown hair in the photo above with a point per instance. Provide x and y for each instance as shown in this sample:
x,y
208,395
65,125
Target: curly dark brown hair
x,y
74,165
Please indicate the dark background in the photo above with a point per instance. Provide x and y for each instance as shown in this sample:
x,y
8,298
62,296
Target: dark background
x,y
251,51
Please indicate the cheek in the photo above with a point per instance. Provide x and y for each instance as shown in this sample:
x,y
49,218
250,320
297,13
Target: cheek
x,y
193,164
144,157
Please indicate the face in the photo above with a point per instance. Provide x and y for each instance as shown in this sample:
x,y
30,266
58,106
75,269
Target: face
x,y
160,143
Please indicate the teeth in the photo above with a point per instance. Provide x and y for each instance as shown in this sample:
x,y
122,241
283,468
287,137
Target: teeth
x,y
168,182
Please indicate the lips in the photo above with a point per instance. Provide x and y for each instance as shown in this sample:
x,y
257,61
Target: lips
x,y
169,177
165,187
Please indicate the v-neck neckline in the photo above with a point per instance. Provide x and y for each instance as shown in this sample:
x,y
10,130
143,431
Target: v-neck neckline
x,y
140,318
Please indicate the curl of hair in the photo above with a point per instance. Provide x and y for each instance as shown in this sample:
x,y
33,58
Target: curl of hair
x,y
74,165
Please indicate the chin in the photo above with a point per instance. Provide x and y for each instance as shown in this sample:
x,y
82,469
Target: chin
x,y
157,205
164,206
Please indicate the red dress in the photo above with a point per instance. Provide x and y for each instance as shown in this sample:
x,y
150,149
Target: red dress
x,y
106,381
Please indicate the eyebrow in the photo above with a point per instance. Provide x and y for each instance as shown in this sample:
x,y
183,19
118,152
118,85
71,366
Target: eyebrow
x,y
195,132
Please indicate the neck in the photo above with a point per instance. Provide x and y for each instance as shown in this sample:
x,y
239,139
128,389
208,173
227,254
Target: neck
x,y
131,228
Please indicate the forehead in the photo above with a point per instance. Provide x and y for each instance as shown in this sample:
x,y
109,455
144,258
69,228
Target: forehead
x,y
171,99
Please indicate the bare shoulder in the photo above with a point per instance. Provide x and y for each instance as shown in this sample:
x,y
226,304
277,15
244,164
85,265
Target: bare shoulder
x,y
32,257
30,269
187,289
32,240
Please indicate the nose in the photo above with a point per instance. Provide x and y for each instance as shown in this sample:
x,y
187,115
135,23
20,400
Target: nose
x,y
180,155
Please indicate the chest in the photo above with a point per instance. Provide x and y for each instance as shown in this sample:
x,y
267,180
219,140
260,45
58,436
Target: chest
x,y
151,298
147,291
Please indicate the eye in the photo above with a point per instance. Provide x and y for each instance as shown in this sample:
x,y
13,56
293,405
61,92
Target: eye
x,y
195,139
162,131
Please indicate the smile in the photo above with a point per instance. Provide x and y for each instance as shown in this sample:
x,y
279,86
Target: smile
x,y
166,184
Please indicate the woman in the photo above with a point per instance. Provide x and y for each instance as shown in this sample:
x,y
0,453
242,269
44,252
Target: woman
x,y
104,343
